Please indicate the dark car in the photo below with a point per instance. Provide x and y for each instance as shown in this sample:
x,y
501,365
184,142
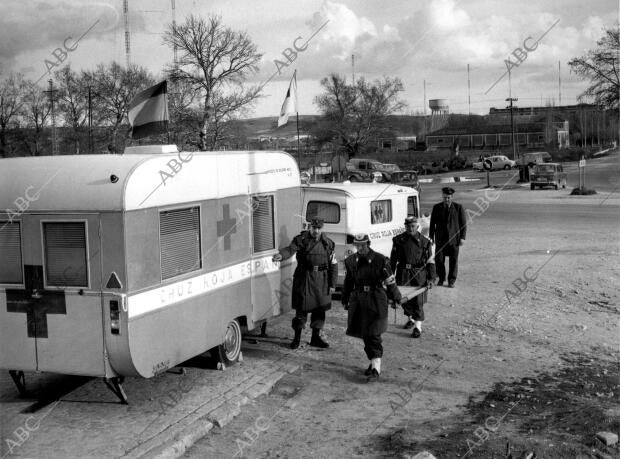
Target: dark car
x,y
547,174
407,178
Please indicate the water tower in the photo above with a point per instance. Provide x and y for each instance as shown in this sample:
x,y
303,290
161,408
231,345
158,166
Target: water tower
x,y
439,113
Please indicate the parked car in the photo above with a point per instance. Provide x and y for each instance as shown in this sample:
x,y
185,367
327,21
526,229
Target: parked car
x,y
534,157
407,178
497,162
433,168
548,174
362,169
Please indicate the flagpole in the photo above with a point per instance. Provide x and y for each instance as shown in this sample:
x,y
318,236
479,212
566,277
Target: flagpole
x,y
297,113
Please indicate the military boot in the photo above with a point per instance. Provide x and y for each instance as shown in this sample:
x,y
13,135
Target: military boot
x,y
316,340
297,339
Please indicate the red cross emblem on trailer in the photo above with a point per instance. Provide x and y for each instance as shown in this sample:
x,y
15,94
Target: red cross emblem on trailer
x,y
36,307
226,226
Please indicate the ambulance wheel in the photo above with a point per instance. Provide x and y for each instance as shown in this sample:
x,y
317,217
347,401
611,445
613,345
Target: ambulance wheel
x,y
229,351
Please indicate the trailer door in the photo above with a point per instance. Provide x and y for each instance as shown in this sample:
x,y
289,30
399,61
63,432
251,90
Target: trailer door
x,y
61,297
18,348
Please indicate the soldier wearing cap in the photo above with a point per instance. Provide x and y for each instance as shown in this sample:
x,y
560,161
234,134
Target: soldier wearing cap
x,y
413,262
314,280
367,286
448,229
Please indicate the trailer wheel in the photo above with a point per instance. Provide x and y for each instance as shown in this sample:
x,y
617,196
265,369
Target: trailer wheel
x,y
229,351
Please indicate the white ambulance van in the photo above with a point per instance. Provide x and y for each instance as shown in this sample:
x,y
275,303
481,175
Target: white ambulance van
x,y
349,208
126,265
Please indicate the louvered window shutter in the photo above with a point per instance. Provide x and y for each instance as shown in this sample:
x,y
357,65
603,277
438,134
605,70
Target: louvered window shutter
x,y
10,253
179,242
262,223
65,254
412,206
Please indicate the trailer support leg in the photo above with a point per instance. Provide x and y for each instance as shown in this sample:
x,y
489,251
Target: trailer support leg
x,y
263,329
115,385
176,371
20,380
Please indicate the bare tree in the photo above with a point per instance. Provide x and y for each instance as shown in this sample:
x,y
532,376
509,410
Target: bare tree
x,y
601,66
12,91
114,87
36,110
217,60
355,113
73,105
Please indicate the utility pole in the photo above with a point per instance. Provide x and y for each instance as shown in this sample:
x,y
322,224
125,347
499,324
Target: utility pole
x,y
90,121
425,110
51,91
559,85
127,42
468,92
512,123
353,68
174,28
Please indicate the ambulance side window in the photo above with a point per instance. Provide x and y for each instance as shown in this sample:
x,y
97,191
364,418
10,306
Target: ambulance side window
x,y
381,211
328,211
179,239
263,234
66,264
10,253
412,206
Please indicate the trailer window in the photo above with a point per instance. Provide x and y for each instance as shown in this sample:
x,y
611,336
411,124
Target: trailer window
x,y
10,253
262,223
381,211
328,211
65,254
179,233
412,206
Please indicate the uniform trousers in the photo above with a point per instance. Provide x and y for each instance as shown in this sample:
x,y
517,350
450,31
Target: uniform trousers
x,y
317,319
373,347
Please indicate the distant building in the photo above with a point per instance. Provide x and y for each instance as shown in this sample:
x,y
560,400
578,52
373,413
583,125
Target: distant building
x,y
396,143
535,127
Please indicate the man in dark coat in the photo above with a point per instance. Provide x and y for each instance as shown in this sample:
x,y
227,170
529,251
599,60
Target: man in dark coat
x,y
448,229
367,285
314,280
413,262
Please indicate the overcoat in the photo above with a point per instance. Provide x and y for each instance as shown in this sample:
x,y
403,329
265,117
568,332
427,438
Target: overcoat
x,y
316,272
448,225
368,284
412,261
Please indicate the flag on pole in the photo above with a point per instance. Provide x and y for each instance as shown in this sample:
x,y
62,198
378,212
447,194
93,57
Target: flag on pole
x,y
148,111
289,107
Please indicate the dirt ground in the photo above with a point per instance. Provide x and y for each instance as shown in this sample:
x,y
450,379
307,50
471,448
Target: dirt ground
x,y
522,356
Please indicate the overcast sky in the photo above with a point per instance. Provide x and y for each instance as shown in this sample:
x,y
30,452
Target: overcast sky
x,y
432,40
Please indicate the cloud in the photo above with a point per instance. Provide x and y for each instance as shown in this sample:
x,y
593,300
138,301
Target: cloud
x,y
35,25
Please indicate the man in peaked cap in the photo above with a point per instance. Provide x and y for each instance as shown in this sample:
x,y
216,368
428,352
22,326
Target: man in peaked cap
x,y
314,280
448,230
413,262
368,284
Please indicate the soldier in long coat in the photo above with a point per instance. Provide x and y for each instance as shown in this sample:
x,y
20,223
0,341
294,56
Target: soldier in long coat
x,y
412,259
314,280
368,284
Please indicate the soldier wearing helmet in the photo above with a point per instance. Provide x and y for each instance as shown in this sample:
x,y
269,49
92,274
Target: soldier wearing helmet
x,y
367,286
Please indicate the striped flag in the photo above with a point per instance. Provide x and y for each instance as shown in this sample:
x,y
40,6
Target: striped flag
x,y
148,111
289,107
